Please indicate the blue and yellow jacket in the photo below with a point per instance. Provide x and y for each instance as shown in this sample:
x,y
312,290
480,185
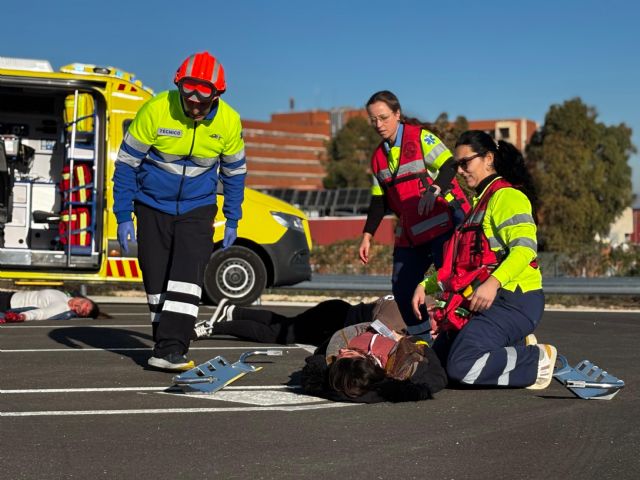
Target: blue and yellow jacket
x,y
170,162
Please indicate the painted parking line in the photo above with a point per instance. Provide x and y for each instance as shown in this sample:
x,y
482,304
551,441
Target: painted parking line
x,y
262,395
142,349
256,395
69,325
203,311
138,389
278,408
261,398
286,398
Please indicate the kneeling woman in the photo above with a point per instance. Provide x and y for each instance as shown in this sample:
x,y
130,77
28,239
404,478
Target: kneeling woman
x,y
490,269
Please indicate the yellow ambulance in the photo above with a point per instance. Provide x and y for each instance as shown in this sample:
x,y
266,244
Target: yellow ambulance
x,y
59,136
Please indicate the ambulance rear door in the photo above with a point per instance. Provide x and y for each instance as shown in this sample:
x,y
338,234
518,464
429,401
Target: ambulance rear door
x,y
53,130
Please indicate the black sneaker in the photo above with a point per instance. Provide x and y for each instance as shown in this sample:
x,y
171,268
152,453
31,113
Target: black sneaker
x,y
173,362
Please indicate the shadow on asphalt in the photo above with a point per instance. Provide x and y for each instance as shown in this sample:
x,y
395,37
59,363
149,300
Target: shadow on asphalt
x,y
558,397
105,339
462,387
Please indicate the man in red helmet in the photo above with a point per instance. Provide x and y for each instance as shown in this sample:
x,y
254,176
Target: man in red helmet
x,y
179,145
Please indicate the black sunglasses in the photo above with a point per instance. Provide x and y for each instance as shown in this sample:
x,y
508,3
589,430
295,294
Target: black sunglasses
x,y
462,163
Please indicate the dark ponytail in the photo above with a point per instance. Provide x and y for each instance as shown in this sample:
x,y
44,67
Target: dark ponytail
x,y
421,124
508,160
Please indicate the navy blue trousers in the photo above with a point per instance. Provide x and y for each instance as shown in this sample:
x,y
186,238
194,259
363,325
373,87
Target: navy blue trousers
x,y
409,267
490,349
173,253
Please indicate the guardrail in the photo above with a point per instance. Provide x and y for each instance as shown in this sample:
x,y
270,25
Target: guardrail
x,y
557,285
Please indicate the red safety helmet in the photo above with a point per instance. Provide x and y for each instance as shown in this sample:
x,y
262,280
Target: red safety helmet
x,y
202,66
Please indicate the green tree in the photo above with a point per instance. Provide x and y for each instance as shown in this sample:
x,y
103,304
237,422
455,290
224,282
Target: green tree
x,y
582,175
448,131
349,155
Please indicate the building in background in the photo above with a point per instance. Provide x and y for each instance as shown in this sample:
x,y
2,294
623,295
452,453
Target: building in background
x,y
287,154
517,131
621,231
635,236
289,151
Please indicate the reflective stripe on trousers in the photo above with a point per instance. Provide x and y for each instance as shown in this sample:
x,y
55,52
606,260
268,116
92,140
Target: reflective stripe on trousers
x,y
490,349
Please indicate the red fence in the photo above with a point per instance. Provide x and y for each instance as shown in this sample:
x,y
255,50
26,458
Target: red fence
x,y
328,230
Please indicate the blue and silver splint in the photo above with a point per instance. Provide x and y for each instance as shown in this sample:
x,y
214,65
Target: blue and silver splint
x,y
587,381
217,373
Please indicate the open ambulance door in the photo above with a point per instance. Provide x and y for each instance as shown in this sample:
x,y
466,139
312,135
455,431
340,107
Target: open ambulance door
x,y
53,133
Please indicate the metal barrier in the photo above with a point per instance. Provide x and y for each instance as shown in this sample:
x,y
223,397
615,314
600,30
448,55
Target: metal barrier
x,y
559,285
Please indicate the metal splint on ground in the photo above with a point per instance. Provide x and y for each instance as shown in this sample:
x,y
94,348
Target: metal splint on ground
x,y
217,373
587,381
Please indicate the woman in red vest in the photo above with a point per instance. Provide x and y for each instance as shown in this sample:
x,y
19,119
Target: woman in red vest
x,y
490,270
413,175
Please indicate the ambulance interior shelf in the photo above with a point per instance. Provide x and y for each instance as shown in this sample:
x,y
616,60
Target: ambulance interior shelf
x,y
28,190
78,215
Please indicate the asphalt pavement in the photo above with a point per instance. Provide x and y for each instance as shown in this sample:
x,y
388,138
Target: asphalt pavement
x,y
78,402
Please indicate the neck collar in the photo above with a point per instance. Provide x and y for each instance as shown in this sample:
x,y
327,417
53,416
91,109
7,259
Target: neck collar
x,y
485,183
398,141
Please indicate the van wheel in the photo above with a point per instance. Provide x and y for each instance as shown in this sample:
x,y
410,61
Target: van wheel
x,y
236,273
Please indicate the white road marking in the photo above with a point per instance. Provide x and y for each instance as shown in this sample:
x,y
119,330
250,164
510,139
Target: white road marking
x,y
69,325
263,398
279,408
57,350
308,348
125,314
140,389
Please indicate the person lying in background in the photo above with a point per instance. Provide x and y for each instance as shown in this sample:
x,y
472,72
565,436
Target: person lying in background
x,y
46,304
363,353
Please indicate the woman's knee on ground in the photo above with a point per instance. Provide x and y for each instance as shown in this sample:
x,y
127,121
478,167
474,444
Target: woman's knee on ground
x,y
460,363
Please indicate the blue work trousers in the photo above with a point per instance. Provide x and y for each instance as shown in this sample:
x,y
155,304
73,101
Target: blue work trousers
x,y
409,267
490,349
173,253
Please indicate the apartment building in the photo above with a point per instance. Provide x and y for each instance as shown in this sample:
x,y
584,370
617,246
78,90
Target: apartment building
x,y
288,151
517,131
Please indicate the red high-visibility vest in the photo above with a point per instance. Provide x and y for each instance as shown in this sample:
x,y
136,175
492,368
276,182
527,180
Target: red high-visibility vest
x,y
468,250
405,186
468,261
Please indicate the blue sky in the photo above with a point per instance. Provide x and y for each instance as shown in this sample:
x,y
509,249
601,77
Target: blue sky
x,y
491,59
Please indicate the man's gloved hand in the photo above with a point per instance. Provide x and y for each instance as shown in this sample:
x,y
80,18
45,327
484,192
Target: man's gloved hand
x,y
13,317
126,232
230,235
428,200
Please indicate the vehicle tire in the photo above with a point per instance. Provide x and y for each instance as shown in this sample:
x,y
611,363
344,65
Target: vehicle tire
x,y
236,273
